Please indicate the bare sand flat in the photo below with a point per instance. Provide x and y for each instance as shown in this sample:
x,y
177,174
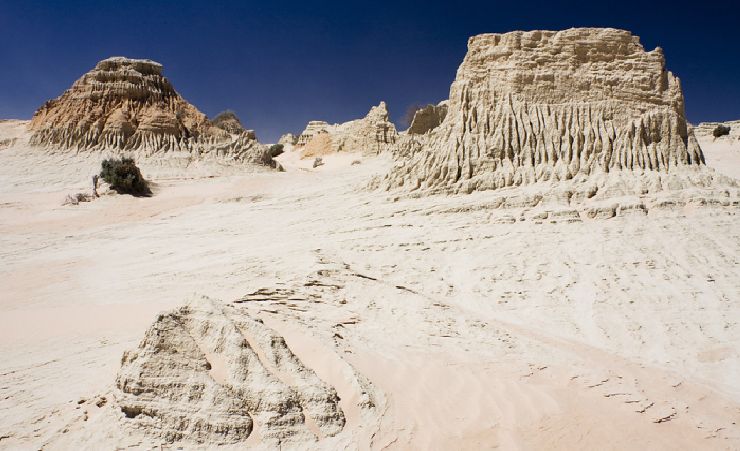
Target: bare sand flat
x,y
469,330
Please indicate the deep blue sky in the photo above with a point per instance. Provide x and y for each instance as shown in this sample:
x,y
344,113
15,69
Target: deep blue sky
x,y
281,64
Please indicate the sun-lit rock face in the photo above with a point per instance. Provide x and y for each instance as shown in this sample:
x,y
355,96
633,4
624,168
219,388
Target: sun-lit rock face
x,y
124,104
370,135
579,104
197,375
312,129
127,106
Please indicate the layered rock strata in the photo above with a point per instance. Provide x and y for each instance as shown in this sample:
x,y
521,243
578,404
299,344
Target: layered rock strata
x,y
312,129
207,375
127,106
370,135
585,106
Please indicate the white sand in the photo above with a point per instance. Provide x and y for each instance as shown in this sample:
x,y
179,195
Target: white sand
x,y
604,334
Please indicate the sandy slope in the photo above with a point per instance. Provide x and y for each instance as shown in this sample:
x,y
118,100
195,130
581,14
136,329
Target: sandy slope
x,y
473,333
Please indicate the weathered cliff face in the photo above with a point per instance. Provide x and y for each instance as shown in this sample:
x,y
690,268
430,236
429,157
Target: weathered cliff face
x,y
428,118
579,104
127,106
370,135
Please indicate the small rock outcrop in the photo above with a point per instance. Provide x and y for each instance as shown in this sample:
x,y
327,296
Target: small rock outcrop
x,y
428,118
585,107
370,135
128,106
204,373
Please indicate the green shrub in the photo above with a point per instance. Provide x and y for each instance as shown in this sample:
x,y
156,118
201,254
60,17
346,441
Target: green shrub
x,y
275,150
225,115
228,120
124,177
721,130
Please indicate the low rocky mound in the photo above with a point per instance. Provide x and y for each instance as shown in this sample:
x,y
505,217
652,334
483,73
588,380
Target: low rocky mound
x,y
370,135
205,374
585,110
127,106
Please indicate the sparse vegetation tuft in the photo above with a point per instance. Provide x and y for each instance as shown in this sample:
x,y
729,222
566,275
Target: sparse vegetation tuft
x,y
228,120
225,115
125,177
721,130
275,150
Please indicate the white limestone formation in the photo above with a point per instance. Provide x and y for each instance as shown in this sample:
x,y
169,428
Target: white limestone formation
x,y
205,374
585,109
370,135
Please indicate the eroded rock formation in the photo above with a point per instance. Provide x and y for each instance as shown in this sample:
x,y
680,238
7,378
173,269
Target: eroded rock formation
x,y
205,374
121,103
127,105
370,135
428,118
312,129
288,139
587,106
320,144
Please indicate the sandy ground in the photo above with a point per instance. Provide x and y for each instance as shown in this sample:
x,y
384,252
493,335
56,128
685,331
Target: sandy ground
x,y
474,334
